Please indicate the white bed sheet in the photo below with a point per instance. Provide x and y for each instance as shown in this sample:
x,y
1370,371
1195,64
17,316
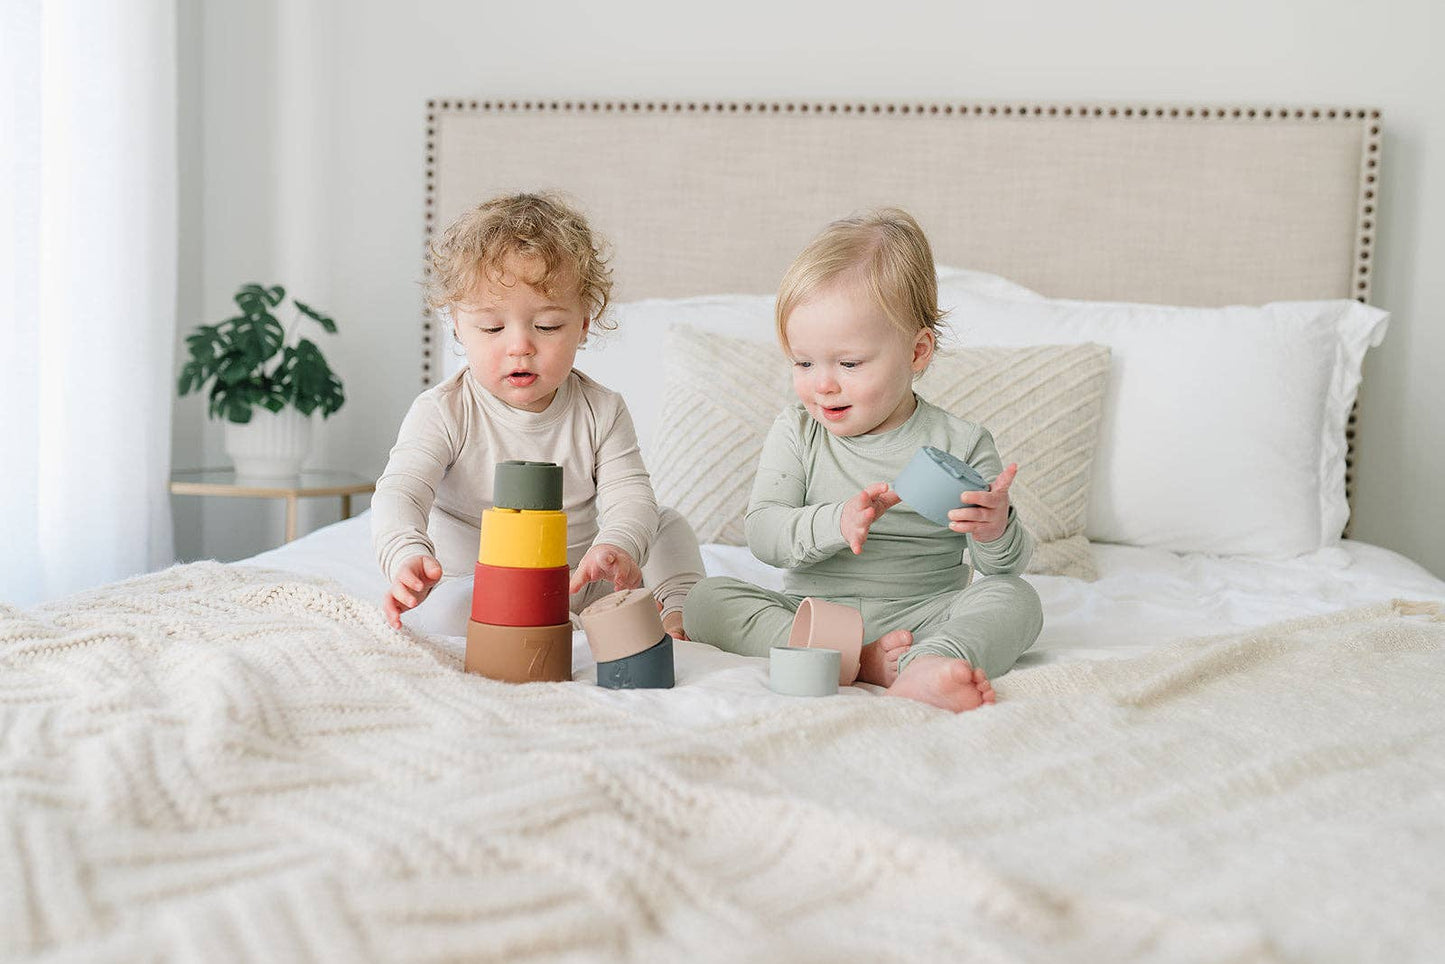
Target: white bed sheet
x,y
1143,599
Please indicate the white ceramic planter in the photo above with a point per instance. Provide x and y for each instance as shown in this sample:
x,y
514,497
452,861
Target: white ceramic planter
x,y
271,445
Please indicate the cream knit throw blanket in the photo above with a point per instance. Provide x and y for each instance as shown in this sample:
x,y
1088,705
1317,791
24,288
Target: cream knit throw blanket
x,y
216,762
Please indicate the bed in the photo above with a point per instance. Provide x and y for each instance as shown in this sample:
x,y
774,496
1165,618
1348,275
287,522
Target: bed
x,y
1226,744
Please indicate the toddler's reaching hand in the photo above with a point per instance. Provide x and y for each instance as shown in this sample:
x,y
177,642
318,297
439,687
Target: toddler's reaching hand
x,y
606,562
414,581
861,511
672,624
988,518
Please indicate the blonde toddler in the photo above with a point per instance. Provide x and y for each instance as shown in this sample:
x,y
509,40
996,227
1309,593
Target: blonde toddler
x,y
857,315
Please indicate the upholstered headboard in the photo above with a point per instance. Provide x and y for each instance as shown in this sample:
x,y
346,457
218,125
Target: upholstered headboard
x,y
1174,204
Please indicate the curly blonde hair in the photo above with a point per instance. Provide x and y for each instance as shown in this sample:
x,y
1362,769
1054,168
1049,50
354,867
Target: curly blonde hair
x,y
477,245
886,251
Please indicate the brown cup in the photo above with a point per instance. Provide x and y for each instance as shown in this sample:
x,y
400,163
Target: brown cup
x,y
520,654
622,624
820,624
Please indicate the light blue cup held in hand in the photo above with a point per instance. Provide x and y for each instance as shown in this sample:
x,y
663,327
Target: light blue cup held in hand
x,y
933,483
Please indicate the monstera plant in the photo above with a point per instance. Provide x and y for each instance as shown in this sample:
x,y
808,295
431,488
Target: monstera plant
x,y
249,360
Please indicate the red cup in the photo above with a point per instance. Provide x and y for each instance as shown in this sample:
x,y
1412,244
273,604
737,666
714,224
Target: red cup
x,y
509,596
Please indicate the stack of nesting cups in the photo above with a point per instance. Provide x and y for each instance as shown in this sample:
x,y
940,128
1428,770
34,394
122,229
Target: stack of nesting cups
x,y
627,638
520,630
824,650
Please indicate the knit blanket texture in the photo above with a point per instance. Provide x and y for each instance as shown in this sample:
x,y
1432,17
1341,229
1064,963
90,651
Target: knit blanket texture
x,y
223,763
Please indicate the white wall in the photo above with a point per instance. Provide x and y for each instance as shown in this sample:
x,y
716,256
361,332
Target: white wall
x,y
303,154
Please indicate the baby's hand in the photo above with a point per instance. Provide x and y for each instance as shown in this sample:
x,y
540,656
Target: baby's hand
x,y
990,518
861,511
672,624
606,562
414,580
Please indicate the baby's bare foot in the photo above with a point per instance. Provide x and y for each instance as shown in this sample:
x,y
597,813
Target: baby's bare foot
x,y
878,663
951,684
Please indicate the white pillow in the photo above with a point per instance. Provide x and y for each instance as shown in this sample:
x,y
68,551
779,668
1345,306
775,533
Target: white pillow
x,y
628,359
979,282
1224,428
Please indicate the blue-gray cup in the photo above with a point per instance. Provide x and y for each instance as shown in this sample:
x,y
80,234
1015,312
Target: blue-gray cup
x,y
650,669
933,483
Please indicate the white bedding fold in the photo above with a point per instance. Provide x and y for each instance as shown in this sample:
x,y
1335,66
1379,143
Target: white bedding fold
x,y
1142,596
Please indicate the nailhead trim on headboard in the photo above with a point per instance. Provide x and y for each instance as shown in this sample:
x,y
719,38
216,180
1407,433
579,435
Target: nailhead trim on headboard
x,y
1370,160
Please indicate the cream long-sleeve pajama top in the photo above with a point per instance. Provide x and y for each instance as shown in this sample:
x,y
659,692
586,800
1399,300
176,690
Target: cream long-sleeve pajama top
x,y
438,482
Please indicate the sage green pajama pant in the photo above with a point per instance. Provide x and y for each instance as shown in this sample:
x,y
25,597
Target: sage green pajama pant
x,y
990,623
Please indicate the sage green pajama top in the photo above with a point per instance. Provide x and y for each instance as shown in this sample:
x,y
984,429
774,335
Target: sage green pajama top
x,y
912,574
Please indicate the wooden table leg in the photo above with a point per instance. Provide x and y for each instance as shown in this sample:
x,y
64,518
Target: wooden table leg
x,y
290,517
346,506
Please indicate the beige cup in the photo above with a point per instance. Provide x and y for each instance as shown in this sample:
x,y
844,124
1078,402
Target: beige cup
x,y
622,624
820,624
520,654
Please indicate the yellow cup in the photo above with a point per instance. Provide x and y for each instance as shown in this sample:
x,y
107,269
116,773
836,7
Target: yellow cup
x,y
523,538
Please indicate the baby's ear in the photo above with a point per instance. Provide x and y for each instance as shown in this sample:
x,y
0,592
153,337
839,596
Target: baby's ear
x,y
923,347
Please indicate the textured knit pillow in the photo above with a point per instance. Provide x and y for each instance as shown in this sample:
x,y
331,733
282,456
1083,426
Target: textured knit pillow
x,y
1042,404
719,398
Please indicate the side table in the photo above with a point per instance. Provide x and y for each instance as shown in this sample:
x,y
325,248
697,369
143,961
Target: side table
x,y
311,483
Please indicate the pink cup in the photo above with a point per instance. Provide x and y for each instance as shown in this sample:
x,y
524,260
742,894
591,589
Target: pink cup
x,y
820,624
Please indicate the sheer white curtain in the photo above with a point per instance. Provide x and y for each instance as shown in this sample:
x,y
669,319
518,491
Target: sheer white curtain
x,y
87,291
